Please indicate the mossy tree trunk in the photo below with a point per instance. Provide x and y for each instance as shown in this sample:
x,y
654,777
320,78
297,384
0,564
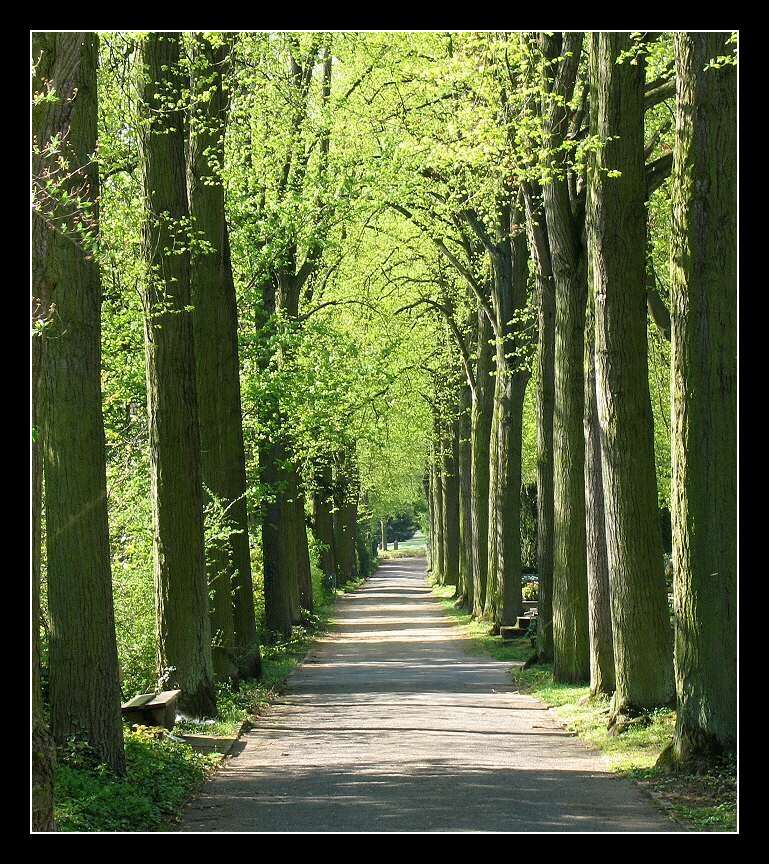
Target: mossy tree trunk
x,y
509,257
450,483
437,497
465,487
617,238
599,598
322,515
704,393
57,59
346,495
215,323
545,364
571,662
480,432
83,673
183,625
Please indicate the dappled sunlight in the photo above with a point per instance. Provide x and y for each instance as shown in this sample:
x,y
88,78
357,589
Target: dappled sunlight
x,y
390,725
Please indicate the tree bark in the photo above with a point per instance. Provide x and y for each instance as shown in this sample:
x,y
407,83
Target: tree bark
x,y
183,625
450,482
346,493
322,516
480,432
84,686
57,59
617,238
503,602
438,545
545,360
704,392
599,598
215,323
571,660
465,516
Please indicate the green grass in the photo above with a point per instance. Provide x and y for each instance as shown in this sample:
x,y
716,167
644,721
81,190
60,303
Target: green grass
x,y
480,641
411,552
702,802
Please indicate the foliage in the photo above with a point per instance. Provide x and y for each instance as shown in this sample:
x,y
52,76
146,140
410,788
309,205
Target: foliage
x,y
160,775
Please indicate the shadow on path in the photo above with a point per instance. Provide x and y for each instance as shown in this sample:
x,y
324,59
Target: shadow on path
x,y
389,725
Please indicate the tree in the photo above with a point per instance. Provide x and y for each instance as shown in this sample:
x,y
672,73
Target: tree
x,y
322,514
480,432
215,326
545,365
704,394
599,597
183,626
564,211
617,239
84,679
346,494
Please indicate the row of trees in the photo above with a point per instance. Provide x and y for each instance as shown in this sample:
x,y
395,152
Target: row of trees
x,y
567,235
276,274
135,154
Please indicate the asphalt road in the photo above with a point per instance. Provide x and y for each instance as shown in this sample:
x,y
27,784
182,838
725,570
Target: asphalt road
x,y
389,725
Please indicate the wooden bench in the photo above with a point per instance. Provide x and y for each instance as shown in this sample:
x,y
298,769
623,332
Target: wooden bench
x,y
152,709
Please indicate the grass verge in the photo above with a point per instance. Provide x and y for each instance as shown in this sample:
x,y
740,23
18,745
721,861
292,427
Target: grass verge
x,y
701,802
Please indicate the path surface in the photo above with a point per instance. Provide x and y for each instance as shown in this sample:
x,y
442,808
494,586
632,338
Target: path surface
x,y
390,726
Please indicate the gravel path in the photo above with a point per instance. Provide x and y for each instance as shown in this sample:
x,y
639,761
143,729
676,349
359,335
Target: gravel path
x,y
389,725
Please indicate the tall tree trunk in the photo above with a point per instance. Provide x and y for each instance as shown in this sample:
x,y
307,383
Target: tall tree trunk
x,y
57,58
215,323
599,598
84,686
438,545
617,238
278,611
303,573
278,605
450,481
430,528
704,393
480,432
183,625
323,518
571,660
346,492
545,360
503,587
465,518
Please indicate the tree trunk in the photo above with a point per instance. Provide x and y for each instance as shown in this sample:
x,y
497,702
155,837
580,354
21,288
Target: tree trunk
x,y
84,686
303,573
617,238
704,385
323,518
215,323
450,481
438,546
480,432
545,360
346,492
465,517
571,660
57,58
503,602
277,596
183,625
599,598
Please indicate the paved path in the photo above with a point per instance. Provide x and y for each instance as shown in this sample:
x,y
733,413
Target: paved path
x,y
390,726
